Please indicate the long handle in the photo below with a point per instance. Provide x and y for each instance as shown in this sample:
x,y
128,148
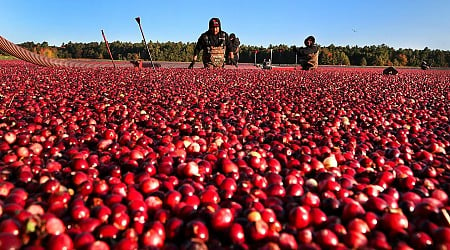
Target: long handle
x,y
109,51
138,20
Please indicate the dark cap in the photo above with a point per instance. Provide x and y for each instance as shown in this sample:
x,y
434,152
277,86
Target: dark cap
x,y
214,22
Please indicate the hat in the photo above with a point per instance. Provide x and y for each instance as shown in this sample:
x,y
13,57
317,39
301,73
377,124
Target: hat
x,y
214,22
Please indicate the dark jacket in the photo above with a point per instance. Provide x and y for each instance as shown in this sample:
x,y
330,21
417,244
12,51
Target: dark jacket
x,y
213,46
390,71
308,55
233,46
208,40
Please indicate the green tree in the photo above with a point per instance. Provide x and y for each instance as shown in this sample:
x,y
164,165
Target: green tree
x,y
325,57
380,55
402,59
363,62
342,58
380,61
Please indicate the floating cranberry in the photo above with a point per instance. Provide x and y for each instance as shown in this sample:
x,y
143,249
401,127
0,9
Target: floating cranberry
x,y
299,217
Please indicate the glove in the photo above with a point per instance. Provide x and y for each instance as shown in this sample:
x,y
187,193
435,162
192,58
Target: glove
x,y
191,65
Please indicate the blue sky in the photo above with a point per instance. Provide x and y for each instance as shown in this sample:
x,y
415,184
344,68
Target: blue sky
x,y
399,24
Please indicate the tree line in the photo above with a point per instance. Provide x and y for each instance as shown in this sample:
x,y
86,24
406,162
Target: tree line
x,y
375,55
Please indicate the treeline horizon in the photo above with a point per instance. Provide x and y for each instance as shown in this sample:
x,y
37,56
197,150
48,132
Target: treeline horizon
x,y
374,55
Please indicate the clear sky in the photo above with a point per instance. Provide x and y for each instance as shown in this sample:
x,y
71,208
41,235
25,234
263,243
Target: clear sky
x,y
397,23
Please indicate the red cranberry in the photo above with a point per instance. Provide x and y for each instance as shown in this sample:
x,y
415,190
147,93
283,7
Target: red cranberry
x,y
299,217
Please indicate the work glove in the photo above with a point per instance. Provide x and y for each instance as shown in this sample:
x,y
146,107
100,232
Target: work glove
x,y
191,65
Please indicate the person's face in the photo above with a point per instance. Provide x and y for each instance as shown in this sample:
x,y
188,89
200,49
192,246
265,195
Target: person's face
x,y
308,42
215,30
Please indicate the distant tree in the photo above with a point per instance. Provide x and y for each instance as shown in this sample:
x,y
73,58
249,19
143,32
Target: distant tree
x,y
132,56
447,60
402,59
439,59
363,62
342,58
379,61
48,52
325,57
380,55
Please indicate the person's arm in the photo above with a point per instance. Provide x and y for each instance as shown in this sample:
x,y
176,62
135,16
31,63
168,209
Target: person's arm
x,y
237,44
311,50
197,49
307,50
229,47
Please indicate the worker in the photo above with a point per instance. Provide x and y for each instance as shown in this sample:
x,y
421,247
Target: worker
x,y
233,50
213,43
309,55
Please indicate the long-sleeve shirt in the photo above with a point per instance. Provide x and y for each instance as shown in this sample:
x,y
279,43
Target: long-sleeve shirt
x,y
305,51
233,45
208,40
309,56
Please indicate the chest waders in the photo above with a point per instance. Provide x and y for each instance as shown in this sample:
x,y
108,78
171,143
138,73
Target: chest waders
x,y
214,57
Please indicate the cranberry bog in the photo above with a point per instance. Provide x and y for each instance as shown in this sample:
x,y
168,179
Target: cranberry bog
x,y
335,158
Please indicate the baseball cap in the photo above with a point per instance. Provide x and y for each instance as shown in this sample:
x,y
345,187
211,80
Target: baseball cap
x,y
214,22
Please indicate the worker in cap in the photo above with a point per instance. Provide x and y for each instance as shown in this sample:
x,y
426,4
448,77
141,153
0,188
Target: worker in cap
x,y
213,43
308,55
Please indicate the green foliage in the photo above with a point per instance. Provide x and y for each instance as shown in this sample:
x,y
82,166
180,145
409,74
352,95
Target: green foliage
x,y
381,55
343,59
6,57
363,62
